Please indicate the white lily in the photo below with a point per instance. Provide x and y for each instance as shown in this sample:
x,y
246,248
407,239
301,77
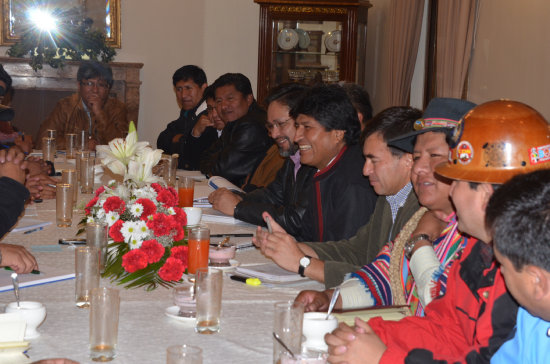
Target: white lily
x,y
117,155
140,168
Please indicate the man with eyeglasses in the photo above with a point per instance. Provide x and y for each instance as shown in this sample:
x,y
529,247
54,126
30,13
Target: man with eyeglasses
x,y
91,109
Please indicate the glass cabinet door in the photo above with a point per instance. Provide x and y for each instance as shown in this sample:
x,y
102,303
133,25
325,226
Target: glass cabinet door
x,y
305,51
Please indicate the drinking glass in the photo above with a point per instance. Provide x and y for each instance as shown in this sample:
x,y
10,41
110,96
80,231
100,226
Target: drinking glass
x,y
48,149
86,274
199,246
70,146
96,236
183,354
169,168
64,204
209,284
104,309
87,174
186,191
68,176
288,320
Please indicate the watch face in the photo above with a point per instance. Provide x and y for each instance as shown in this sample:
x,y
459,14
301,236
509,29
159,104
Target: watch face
x,y
304,261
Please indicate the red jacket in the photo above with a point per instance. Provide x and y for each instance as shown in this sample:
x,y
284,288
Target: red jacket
x,y
466,325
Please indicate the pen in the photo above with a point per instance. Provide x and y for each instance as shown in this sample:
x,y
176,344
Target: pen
x,y
235,235
247,280
34,271
33,230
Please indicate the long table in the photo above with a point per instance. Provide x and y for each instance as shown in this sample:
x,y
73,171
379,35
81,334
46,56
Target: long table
x,y
144,330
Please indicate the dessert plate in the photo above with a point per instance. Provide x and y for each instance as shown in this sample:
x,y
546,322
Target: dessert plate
x,y
333,41
287,39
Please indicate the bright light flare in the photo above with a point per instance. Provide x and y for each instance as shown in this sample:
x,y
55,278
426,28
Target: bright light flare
x,y
43,20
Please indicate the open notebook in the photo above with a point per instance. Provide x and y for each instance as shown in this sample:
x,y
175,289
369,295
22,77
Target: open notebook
x,y
270,273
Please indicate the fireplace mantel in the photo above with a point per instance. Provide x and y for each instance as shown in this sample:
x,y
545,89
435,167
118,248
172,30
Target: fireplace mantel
x,y
125,87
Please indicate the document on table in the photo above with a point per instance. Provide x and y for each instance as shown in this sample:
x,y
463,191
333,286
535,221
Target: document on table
x,y
29,223
270,272
393,313
211,215
218,182
29,280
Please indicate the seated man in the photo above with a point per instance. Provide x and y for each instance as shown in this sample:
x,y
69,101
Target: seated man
x,y
389,173
360,99
189,85
284,197
14,195
374,284
91,109
518,215
476,315
244,140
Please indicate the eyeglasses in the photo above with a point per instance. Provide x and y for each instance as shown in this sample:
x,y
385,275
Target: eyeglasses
x,y
279,124
91,84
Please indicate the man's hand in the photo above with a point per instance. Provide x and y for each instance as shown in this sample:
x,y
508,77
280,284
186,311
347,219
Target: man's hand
x,y
279,246
201,124
39,186
431,223
24,142
314,300
224,200
13,164
359,344
17,258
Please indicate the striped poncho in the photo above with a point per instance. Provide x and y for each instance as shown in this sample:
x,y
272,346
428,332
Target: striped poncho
x,y
376,279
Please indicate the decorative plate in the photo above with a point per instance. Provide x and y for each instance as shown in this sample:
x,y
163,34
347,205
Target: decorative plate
x,y
303,38
287,39
333,41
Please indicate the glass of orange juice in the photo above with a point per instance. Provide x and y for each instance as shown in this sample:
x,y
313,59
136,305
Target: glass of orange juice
x,y
199,244
186,190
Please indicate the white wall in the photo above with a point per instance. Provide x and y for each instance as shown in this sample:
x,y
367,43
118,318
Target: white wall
x,y
218,35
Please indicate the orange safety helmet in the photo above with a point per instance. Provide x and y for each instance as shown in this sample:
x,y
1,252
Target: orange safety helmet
x,y
496,141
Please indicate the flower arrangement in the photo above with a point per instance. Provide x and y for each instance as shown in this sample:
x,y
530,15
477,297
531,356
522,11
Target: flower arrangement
x,y
146,228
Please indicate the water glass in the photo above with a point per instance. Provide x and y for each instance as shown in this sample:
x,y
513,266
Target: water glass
x,y
104,309
48,149
64,204
209,284
287,323
70,146
184,298
83,139
86,274
51,133
169,168
183,354
97,236
79,155
87,174
68,176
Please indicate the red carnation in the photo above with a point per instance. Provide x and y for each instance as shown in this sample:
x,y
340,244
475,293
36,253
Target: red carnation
x,y
180,216
90,204
161,224
156,187
153,249
114,203
114,232
134,260
177,232
172,270
99,191
167,198
181,253
149,208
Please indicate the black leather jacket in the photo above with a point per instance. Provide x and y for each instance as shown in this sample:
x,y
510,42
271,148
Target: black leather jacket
x,y
240,149
284,199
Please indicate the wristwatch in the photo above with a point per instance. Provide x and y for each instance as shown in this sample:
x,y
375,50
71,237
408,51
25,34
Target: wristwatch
x,y
409,245
305,261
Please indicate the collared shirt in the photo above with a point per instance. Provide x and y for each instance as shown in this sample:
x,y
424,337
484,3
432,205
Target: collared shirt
x,y
398,200
296,159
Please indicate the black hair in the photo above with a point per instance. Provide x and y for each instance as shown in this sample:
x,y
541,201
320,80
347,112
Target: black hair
x,y
288,94
518,215
360,99
240,81
330,106
93,69
4,76
209,93
392,123
189,72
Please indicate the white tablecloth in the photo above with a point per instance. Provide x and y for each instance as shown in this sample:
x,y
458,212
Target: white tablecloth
x,y
144,330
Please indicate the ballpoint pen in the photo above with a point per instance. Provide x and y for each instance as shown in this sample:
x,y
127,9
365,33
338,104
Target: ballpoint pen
x,y
33,230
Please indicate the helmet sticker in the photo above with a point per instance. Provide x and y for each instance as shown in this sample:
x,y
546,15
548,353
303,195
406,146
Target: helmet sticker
x,y
539,154
494,155
457,133
464,152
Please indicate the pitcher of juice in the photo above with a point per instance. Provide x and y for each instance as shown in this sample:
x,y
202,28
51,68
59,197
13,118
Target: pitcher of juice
x,y
199,245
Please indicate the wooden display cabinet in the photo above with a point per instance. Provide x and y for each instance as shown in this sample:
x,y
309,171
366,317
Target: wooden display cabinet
x,y
311,40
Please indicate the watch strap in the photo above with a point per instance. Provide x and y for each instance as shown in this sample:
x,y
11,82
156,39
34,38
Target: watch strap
x,y
413,240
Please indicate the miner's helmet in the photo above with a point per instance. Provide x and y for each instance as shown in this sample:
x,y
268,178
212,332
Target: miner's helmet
x,y
496,141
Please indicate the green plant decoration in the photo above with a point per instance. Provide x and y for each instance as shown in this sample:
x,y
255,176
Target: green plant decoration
x,y
72,40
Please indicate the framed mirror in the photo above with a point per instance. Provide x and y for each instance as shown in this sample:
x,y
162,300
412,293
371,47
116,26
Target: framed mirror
x,y
105,15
